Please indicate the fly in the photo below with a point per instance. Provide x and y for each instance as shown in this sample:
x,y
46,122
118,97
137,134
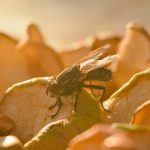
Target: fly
x,y
72,79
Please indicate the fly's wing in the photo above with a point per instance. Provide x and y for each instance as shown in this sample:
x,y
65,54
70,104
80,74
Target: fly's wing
x,y
94,64
91,62
94,55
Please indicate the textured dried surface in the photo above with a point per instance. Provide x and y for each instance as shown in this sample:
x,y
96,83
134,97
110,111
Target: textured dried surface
x,y
57,135
134,51
125,101
27,104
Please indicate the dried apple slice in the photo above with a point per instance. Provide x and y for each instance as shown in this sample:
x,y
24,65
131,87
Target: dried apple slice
x,y
102,137
125,101
141,115
56,136
12,64
34,33
115,137
138,133
28,105
91,138
134,51
118,141
41,60
8,38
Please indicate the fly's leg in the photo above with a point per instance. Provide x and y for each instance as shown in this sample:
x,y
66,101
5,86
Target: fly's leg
x,y
92,89
59,104
97,87
55,104
76,99
47,89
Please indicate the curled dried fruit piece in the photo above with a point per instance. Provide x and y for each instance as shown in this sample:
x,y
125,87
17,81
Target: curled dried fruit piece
x,y
34,33
56,135
41,60
134,51
118,141
102,137
139,134
91,139
28,105
12,64
141,115
125,101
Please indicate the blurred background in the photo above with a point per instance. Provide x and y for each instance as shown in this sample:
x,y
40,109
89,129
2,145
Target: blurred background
x,y
66,21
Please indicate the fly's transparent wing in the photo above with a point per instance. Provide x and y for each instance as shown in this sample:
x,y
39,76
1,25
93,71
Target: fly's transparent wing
x,y
94,55
94,64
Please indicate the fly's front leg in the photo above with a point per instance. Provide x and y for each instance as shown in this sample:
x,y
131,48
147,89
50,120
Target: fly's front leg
x,y
59,104
97,87
47,89
76,99
92,89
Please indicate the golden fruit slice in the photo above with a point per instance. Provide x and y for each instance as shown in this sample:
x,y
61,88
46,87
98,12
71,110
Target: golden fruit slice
x,y
134,51
10,143
91,139
12,64
34,34
139,134
41,60
56,136
102,137
8,38
125,101
28,105
141,115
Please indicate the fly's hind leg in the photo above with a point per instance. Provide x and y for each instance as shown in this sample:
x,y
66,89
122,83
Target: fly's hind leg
x,y
76,99
98,87
59,104
54,105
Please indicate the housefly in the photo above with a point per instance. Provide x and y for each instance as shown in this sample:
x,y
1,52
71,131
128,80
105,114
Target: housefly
x,y
73,79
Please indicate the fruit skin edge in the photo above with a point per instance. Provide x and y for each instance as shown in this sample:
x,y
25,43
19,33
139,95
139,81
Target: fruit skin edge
x,y
131,83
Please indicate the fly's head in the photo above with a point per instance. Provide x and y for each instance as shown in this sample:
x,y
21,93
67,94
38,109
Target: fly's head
x,y
52,88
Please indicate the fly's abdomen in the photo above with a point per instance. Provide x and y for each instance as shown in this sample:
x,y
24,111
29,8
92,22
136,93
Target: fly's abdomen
x,y
99,74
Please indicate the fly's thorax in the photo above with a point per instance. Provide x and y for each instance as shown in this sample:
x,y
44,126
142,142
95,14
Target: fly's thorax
x,y
68,76
82,77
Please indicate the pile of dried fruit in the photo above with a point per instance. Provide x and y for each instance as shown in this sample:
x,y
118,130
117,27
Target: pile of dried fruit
x,y
26,67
